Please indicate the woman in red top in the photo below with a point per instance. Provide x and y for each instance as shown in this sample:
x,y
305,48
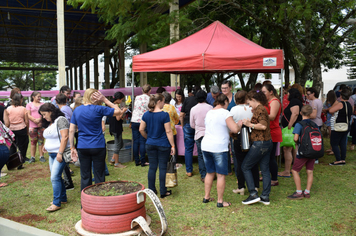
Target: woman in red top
x,y
274,106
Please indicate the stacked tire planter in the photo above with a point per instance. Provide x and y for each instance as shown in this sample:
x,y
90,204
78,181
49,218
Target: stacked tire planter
x,y
110,214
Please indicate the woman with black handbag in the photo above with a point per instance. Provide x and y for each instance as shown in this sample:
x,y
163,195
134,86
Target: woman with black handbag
x,y
6,137
56,135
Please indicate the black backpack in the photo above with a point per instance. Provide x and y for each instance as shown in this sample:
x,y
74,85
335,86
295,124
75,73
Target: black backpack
x,y
311,141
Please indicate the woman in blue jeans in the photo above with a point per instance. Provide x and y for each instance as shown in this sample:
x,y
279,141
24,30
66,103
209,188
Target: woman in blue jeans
x,y
159,144
260,149
56,135
139,142
6,138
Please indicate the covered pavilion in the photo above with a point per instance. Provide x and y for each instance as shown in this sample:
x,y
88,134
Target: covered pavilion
x,y
30,33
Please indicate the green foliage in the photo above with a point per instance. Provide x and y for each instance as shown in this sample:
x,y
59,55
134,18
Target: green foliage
x,y
351,56
44,80
111,192
141,18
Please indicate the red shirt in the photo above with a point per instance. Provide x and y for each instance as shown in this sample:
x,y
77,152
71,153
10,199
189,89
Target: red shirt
x,y
276,131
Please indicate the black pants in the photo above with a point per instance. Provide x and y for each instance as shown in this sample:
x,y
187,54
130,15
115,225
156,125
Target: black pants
x,y
86,157
240,156
21,140
67,177
273,167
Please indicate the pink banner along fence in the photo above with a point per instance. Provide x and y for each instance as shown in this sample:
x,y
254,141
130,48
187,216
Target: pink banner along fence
x,y
106,92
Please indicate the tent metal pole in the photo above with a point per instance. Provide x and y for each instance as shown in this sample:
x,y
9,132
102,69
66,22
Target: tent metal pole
x,y
176,81
133,94
132,107
281,76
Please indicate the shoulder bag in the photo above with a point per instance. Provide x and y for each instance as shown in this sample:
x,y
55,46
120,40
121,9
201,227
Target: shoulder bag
x,y
342,126
15,159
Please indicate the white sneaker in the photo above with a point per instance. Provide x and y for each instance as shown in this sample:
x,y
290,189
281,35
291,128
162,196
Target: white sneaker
x,y
316,161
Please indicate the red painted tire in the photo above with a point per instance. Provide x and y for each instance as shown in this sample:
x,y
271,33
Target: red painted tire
x,y
110,205
110,224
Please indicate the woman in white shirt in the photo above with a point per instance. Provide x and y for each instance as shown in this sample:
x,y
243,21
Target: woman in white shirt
x,y
56,135
215,147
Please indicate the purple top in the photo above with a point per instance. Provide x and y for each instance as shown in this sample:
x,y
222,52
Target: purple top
x,y
67,112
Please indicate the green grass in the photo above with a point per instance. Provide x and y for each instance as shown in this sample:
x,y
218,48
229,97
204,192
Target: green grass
x,y
329,211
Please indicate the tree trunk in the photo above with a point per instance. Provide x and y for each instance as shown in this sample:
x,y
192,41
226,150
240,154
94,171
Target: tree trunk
x,y
304,75
242,81
251,81
317,78
207,78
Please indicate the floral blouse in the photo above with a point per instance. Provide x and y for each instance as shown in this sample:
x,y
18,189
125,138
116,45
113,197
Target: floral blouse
x,y
171,110
260,115
4,138
140,107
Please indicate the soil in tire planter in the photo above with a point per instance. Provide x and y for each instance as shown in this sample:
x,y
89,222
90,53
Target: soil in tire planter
x,y
113,189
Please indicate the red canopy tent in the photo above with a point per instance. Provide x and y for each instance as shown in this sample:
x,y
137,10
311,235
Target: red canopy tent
x,y
216,48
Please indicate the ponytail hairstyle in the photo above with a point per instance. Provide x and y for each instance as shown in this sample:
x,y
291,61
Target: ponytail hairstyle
x,y
33,95
154,100
258,96
270,88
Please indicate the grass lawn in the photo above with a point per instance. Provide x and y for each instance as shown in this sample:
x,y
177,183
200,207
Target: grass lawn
x,y
330,210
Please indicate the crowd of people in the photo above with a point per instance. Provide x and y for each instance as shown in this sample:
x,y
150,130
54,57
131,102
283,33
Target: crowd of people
x,y
212,121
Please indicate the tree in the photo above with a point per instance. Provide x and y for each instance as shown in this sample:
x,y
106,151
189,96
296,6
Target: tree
x,y
350,54
23,80
315,29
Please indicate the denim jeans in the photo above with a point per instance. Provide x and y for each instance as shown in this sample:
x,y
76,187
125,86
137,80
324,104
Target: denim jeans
x,y
240,157
353,132
259,153
232,151
4,155
338,139
158,157
87,156
189,146
139,143
59,190
202,169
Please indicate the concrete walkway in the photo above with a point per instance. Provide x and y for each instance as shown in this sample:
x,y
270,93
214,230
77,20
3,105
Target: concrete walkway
x,y
12,228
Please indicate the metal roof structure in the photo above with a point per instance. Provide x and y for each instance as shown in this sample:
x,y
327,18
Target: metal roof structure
x,y
28,32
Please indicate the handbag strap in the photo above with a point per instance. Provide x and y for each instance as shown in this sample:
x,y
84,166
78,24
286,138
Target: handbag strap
x,y
347,117
285,117
173,158
59,138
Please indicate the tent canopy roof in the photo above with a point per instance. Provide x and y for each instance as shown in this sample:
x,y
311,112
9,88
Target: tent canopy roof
x,y
216,48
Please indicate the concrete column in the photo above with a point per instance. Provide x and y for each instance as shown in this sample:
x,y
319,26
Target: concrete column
x,y
81,82
96,71
143,75
61,43
87,71
107,66
67,77
174,36
75,78
71,77
122,65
